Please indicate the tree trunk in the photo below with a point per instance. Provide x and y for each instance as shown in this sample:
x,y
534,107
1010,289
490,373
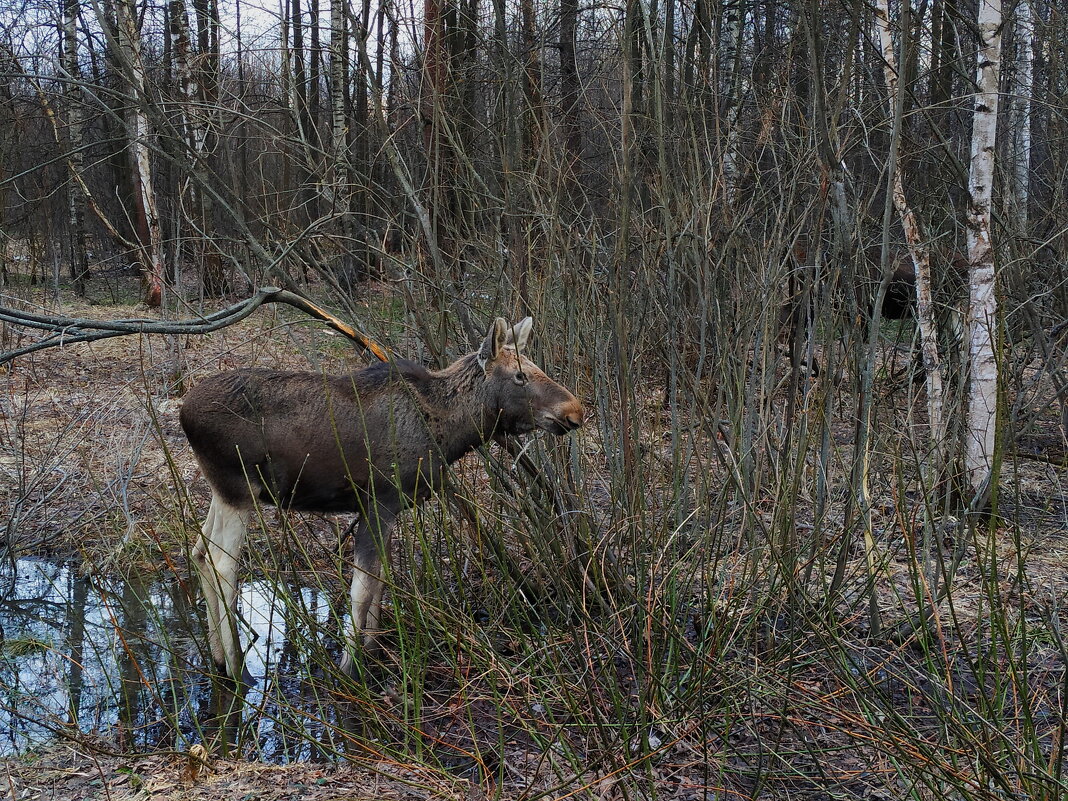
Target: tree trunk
x,y
917,245
146,219
8,138
440,178
569,100
194,126
943,54
1020,114
307,197
735,88
982,309
79,255
508,145
359,133
315,61
532,90
338,159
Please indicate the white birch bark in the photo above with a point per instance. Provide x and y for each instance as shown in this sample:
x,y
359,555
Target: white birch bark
x,y
192,123
195,110
338,118
75,125
737,87
982,309
337,186
150,233
288,90
1020,113
918,250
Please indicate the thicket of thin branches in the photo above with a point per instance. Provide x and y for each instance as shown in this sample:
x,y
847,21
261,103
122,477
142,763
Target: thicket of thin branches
x,y
759,530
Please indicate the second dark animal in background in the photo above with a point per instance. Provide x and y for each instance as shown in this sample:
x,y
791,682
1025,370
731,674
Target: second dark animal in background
x,y
899,301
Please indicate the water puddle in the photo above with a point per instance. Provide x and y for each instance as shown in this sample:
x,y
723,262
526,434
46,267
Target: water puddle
x,y
125,660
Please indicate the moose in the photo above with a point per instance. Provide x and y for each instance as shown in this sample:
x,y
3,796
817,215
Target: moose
x,y
372,443
898,303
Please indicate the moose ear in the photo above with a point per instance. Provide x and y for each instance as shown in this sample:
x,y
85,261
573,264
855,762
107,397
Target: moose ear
x,y
493,342
519,333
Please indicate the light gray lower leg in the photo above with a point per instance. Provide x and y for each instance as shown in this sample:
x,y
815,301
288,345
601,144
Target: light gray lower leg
x,y
217,559
365,586
367,589
208,586
374,611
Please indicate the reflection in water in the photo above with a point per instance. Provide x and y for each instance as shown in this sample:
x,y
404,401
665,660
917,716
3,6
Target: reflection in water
x,y
122,659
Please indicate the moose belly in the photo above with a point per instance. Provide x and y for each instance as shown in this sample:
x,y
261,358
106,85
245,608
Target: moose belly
x,y
309,481
335,485
308,496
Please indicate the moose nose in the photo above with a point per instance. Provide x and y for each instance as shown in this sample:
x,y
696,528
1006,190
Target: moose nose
x,y
573,415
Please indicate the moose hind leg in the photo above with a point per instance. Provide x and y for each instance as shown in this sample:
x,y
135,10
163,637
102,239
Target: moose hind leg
x,y
367,588
374,612
217,558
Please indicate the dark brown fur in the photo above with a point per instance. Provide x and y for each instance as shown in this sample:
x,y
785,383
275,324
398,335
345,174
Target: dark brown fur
x,y
312,442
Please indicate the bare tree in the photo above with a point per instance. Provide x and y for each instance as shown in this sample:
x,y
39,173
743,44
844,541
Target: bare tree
x,y
340,180
569,96
8,140
917,245
982,308
120,20
193,89
1020,113
79,252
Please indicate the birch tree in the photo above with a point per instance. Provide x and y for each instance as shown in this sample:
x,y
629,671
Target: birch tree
x,y
736,88
79,256
339,127
194,129
8,142
146,223
204,112
1020,113
918,249
982,307
339,70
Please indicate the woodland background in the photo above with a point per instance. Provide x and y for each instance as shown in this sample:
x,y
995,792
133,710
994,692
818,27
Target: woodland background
x,y
781,557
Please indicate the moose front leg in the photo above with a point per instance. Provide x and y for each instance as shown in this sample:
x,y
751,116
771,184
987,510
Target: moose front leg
x,y
217,558
365,595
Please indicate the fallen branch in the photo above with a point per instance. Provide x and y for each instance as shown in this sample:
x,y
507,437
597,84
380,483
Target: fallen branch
x,y
1055,459
69,330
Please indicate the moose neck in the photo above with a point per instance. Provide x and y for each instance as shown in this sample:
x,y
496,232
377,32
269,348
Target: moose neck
x,y
466,413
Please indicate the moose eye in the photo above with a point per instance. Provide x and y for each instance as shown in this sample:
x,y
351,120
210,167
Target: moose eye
x,y
520,379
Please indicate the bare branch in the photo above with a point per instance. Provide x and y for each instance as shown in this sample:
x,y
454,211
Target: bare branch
x,y
68,330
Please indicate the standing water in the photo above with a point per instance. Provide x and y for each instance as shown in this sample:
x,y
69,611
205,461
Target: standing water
x,y
124,660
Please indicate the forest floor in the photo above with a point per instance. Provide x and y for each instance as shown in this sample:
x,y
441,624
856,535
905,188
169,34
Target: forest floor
x,y
66,772
92,455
